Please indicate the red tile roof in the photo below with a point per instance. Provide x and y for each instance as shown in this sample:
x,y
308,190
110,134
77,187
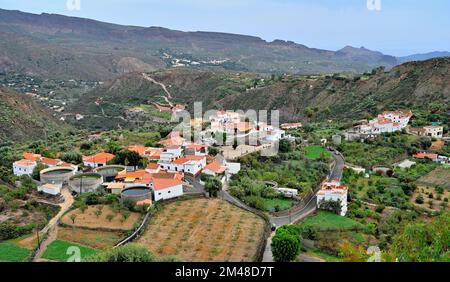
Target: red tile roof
x,y
98,158
216,167
163,183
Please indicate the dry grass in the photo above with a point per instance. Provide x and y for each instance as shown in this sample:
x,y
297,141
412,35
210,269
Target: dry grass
x,y
436,201
90,219
439,176
204,230
90,238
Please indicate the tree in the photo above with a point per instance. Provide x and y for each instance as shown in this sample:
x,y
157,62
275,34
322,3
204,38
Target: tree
x,y
126,253
420,200
352,253
423,242
73,217
213,186
285,245
128,158
110,217
72,157
285,146
213,151
37,171
333,206
425,143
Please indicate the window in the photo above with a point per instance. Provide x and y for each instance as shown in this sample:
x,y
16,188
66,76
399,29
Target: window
x,y
168,192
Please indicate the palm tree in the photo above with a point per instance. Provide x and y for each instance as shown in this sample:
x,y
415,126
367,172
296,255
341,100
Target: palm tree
x,y
213,186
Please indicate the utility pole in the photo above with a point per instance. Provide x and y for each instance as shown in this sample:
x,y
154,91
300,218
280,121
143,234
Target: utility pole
x,y
38,239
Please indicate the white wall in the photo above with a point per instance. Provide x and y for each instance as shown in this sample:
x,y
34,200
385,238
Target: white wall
x,y
169,193
22,170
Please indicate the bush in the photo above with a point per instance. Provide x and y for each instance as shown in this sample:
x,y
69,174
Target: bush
x,y
286,245
420,200
127,253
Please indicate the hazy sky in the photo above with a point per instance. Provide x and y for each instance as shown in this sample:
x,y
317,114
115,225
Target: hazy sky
x,y
401,27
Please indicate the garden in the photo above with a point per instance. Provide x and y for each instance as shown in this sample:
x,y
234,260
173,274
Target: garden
x,y
289,170
200,230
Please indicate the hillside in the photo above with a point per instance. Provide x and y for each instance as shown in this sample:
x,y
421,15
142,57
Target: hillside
x,y
63,47
412,85
22,119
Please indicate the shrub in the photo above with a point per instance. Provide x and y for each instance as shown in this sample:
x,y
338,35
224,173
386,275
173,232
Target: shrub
x,y
420,200
127,253
286,245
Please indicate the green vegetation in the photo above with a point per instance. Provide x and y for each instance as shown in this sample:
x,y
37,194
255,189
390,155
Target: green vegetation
x,y
291,170
327,221
10,252
127,253
64,251
316,152
384,151
423,242
286,244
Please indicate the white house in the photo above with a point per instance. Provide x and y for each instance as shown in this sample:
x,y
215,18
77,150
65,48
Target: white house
x,y
214,169
192,165
434,131
97,160
288,192
50,188
196,149
23,167
165,189
387,122
333,191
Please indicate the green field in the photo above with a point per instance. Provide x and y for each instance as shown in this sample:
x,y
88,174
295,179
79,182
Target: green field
x,y
57,251
10,252
283,204
329,221
314,152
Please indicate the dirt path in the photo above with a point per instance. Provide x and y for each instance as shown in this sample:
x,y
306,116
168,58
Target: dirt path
x,y
169,96
52,229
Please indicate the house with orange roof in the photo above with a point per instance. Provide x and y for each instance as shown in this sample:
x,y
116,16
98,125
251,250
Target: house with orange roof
x,y
153,168
138,149
50,162
293,125
214,169
97,160
333,191
192,165
177,141
31,156
24,167
166,188
387,122
425,155
196,149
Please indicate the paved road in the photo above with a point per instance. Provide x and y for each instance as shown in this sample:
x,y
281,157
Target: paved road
x,y
336,174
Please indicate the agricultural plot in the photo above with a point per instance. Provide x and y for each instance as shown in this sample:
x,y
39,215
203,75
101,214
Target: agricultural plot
x,y
91,238
315,152
63,251
11,252
204,230
438,177
431,198
101,217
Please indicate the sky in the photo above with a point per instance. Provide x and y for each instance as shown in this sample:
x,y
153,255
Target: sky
x,y
395,27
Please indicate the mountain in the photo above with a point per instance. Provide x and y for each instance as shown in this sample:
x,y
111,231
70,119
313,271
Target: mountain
x,y
414,85
23,119
423,57
56,46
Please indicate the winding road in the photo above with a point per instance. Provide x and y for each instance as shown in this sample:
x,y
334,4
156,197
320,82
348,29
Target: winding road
x,y
309,205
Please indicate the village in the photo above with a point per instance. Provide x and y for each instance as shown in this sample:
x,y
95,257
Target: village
x,y
178,168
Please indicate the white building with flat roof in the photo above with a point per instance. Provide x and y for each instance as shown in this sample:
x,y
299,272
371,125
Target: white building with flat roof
x,y
333,191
